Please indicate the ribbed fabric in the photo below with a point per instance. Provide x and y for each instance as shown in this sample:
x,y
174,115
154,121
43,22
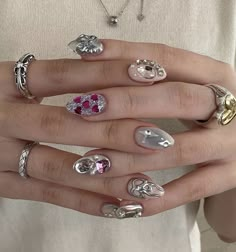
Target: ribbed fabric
x,y
44,28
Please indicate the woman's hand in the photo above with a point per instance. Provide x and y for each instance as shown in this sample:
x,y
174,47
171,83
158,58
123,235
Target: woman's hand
x,y
184,95
52,178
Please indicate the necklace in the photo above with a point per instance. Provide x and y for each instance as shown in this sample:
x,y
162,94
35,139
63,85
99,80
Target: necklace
x,y
140,16
114,19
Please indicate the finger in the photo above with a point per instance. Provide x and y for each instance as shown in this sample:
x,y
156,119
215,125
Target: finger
x,y
190,148
201,183
55,125
181,65
52,165
54,77
37,190
165,100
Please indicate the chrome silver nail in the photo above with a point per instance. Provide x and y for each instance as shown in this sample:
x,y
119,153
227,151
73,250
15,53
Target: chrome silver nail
x,y
86,44
92,165
127,211
153,138
146,71
144,189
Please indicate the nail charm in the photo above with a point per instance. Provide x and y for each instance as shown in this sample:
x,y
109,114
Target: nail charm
x,y
86,44
146,71
153,138
142,188
128,211
92,165
86,105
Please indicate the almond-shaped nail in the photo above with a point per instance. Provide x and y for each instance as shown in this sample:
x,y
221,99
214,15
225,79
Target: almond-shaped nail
x,y
144,189
146,71
86,45
92,165
153,138
87,105
122,212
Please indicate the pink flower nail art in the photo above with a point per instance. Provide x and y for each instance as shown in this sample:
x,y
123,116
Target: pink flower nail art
x,y
87,105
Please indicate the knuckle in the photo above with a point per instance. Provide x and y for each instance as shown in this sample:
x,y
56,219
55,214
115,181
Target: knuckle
x,y
52,123
129,102
189,150
111,132
180,153
57,70
54,170
211,149
184,98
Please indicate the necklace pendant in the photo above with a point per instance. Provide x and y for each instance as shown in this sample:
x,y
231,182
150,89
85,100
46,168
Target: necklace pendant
x,y
113,20
140,17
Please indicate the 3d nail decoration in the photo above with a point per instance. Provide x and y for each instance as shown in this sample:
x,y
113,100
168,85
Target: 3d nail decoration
x,y
92,165
87,105
86,44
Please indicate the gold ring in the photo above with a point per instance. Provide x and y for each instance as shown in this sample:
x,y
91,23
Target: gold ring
x,y
226,107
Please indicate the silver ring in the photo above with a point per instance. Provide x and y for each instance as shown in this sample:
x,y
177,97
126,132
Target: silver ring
x,y
122,212
225,107
20,70
24,159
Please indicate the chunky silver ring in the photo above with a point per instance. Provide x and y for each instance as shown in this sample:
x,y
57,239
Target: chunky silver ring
x,y
20,69
225,107
24,159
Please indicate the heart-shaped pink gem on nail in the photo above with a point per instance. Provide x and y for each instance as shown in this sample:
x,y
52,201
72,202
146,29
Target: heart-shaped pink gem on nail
x,y
86,105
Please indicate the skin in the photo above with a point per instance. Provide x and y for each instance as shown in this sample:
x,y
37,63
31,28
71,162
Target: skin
x,y
183,95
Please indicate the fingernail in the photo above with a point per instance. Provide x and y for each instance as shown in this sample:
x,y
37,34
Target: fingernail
x,y
87,105
144,189
86,44
127,211
146,71
92,165
153,138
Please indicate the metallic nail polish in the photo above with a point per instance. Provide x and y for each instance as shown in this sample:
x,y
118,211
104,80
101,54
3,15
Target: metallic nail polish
x,y
92,165
153,138
86,44
87,105
146,71
127,211
144,189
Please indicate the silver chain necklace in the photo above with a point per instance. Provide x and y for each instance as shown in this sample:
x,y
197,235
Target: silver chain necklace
x,y
114,19
141,16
